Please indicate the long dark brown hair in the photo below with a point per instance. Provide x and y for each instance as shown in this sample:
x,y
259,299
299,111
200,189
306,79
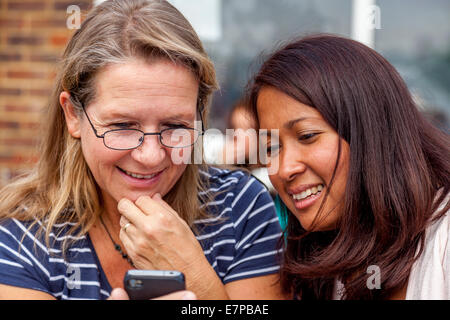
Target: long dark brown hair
x,y
399,167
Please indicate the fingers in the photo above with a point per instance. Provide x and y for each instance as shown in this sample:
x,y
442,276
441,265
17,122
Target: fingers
x,y
147,205
118,294
142,207
148,225
179,295
131,212
157,197
124,223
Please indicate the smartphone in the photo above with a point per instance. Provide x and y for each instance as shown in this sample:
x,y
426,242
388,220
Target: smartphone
x,y
149,284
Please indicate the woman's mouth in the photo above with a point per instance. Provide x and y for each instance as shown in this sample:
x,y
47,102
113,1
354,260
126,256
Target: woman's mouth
x,y
139,179
307,197
137,175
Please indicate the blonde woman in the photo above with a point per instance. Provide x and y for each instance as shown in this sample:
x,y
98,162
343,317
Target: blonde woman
x,y
108,196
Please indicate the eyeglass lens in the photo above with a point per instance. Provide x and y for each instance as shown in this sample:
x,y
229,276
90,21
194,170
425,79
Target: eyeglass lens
x,y
129,139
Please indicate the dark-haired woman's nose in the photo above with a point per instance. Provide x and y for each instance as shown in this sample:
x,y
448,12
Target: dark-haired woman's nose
x,y
290,165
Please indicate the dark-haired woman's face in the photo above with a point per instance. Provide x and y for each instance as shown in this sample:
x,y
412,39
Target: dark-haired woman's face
x,y
301,165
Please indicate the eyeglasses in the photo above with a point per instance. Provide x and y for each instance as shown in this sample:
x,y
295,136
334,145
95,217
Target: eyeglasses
x,y
128,139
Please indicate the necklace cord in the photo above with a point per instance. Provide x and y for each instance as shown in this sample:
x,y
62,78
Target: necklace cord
x,y
116,245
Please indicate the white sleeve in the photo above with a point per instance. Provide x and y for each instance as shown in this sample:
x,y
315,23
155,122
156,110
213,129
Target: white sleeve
x,y
430,275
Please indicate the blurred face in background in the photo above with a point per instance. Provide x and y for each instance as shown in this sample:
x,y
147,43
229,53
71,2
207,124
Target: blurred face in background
x,y
306,157
245,136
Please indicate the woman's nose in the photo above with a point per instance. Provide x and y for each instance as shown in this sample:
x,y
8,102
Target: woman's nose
x,y
151,152
291,163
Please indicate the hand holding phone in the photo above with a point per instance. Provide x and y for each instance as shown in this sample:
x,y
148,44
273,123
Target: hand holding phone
x,y
149,284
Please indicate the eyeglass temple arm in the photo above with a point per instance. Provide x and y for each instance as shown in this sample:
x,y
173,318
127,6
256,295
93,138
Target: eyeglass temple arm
x,y
200,111
84,110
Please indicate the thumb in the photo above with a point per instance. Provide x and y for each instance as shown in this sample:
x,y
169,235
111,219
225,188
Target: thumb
x,y
179,295
118,294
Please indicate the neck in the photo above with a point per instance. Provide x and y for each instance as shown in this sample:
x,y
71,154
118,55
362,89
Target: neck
x,y
112,228
111,215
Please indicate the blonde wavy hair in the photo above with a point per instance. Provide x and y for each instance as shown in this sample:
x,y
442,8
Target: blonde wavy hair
x,y
61,187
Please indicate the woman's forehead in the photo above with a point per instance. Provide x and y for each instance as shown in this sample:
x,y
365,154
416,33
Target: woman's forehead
x,y
275,106
137,88
139,112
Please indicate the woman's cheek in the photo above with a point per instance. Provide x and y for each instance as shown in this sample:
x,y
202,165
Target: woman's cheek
x,y
181,156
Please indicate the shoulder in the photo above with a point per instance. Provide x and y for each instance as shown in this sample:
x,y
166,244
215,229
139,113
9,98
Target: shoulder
x,y
240,238
429,274
239,203
219,179
438,231
27,261
234,189
215,175
14,231
31,234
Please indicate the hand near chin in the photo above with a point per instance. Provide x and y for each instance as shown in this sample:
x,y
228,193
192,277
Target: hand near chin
x,y
156,237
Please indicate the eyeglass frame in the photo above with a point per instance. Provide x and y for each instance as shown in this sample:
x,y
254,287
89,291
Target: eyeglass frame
x,y
159,134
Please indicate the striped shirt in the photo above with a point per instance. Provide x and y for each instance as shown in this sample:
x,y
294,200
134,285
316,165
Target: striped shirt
x,y
239,240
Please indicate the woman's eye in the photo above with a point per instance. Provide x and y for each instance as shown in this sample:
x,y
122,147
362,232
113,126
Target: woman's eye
x,y
307,136
175,126
122,125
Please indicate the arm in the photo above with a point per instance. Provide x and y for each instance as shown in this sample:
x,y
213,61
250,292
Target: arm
x,y
258,288
253,273
20,275
16,293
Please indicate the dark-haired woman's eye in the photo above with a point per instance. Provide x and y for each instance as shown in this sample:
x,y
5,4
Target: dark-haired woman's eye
x,y
307,137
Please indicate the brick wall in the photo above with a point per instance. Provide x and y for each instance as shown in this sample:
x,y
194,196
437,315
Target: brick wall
x,y
33,34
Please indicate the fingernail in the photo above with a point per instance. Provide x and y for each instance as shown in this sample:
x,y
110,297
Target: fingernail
x,y
122,204
157,195
189,296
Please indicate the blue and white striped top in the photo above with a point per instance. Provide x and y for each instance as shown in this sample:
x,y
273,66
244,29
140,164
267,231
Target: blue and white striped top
x,y
239,240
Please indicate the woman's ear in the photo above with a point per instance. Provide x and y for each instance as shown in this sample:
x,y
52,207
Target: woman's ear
x,y
72,120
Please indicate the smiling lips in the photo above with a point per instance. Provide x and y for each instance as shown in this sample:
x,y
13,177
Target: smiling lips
x,y
306,195
310,191
139,176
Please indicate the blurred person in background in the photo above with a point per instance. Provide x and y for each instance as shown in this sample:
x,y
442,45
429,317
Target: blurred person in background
x,y
110,194
242,146
242,138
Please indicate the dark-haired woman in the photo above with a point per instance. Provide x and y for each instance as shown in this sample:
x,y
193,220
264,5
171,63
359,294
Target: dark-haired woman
x,y
364,176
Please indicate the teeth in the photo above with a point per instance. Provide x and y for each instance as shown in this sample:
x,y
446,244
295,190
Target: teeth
x,y
308,192
139,176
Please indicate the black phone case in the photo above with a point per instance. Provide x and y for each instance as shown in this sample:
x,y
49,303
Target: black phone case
x,y
149,284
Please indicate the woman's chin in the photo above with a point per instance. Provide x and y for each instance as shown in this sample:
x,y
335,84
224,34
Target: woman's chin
x,y
133,196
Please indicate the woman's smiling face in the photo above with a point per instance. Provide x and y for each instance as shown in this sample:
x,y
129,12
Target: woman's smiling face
x,y
304,158
145,96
